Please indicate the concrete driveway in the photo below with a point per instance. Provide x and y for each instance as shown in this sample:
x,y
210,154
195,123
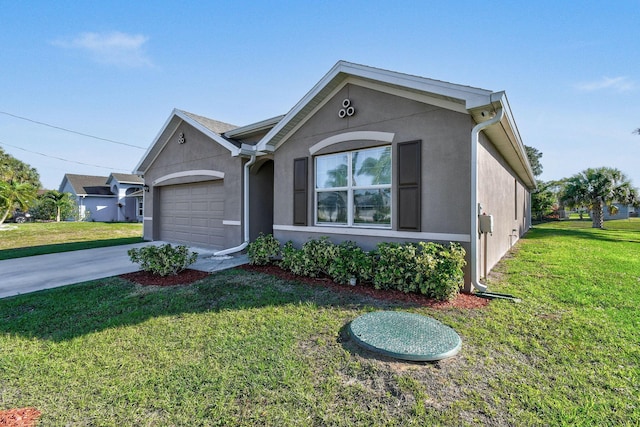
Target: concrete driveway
x,y
30,274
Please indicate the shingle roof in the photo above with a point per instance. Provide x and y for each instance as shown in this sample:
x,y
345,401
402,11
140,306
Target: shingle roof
x,y
214,129
213,125
88,184
127,178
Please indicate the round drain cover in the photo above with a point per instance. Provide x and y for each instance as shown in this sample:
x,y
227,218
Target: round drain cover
x,y
405,336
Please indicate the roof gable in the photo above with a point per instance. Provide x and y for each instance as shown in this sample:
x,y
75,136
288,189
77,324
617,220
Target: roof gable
x,y
125,178
478,103
451,95
87,184
209,127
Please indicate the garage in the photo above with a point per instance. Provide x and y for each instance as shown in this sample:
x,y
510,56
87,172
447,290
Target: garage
x,y
191,214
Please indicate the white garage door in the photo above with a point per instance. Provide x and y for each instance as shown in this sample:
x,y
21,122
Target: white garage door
x,y
191,214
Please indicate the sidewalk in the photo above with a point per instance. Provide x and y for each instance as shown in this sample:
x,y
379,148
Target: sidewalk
x,y
24,275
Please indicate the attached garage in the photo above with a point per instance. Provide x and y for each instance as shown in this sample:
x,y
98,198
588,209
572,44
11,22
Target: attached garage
x,y
192,214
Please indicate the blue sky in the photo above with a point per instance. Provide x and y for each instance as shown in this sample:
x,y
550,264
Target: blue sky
x,y
116,69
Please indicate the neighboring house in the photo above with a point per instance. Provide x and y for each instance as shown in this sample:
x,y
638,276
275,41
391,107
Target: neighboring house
x,y
367,155
117,197
624,212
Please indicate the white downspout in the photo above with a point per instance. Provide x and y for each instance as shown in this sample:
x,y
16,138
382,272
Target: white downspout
x,y
245,211
475,140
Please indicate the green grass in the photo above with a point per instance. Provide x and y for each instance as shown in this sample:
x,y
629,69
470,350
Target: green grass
x,y
21,240
241,348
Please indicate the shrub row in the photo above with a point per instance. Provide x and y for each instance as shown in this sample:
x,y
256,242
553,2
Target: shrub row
x,y
428,268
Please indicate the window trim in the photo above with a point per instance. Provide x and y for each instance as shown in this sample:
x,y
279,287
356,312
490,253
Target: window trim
x,y
350,191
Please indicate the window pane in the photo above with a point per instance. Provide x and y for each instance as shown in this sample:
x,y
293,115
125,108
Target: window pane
x,y
372,167
332,207
372,206
331,171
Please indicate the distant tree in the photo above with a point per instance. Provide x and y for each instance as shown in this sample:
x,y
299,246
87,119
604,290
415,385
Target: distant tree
x,y
54,205
595,188
19,184
543,199
12,169
534,155
14,194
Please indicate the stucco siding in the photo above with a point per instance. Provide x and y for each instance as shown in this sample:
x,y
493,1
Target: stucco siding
x,y
99,209
197,153
445,154
502,195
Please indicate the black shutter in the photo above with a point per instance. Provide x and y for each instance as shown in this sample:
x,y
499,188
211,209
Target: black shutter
x,y
409,178
300,190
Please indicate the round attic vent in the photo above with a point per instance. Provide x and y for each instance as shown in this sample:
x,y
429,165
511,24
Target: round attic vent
x,y
347,110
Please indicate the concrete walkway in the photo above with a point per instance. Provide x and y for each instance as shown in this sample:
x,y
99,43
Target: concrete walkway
x,y
24,275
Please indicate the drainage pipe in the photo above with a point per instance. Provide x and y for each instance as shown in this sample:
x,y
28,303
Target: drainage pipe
x,y
245,211
475,207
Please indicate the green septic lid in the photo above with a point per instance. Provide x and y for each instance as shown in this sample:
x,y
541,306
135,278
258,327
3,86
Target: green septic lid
x,y
405,336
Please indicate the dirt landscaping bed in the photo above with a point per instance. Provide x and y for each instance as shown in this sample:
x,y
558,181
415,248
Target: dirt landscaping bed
x,y
188,276
464,301
22,417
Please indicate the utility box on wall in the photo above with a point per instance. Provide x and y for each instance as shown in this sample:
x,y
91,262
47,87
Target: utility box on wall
x,y
486,223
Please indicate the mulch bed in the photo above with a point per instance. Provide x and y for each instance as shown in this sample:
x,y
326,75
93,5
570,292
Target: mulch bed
x,y
186,277
23,417
464,301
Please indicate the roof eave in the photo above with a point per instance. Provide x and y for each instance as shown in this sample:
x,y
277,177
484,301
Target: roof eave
x,y
253,128
169,128
343,70
505,137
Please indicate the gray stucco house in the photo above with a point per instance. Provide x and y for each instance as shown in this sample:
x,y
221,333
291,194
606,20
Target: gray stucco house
x,y
367,155
117,197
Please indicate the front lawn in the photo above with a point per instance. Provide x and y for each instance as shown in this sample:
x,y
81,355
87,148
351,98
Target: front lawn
x,y
20,240
241,348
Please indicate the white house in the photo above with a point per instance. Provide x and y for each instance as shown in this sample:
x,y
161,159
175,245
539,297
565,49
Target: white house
x,y
117,197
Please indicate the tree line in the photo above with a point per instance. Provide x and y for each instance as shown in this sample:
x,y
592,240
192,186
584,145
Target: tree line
x,y
593,189
19,190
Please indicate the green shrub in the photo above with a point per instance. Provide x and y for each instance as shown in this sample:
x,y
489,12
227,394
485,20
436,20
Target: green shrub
x,y
429,268
447,276
313,260
263,249
163,260
318,254
396,267
351,261
291,259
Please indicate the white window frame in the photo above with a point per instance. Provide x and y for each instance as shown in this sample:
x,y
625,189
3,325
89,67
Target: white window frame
x,y
350,191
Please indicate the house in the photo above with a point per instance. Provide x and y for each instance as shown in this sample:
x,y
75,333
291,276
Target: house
x,y
623,212
117,197
366,155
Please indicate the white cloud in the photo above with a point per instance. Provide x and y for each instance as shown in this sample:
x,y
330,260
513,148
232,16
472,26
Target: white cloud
x,y
115,48
618,84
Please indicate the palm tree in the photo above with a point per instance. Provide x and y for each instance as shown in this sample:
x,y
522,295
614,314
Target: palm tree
x,y
61,202
15,194
596,188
